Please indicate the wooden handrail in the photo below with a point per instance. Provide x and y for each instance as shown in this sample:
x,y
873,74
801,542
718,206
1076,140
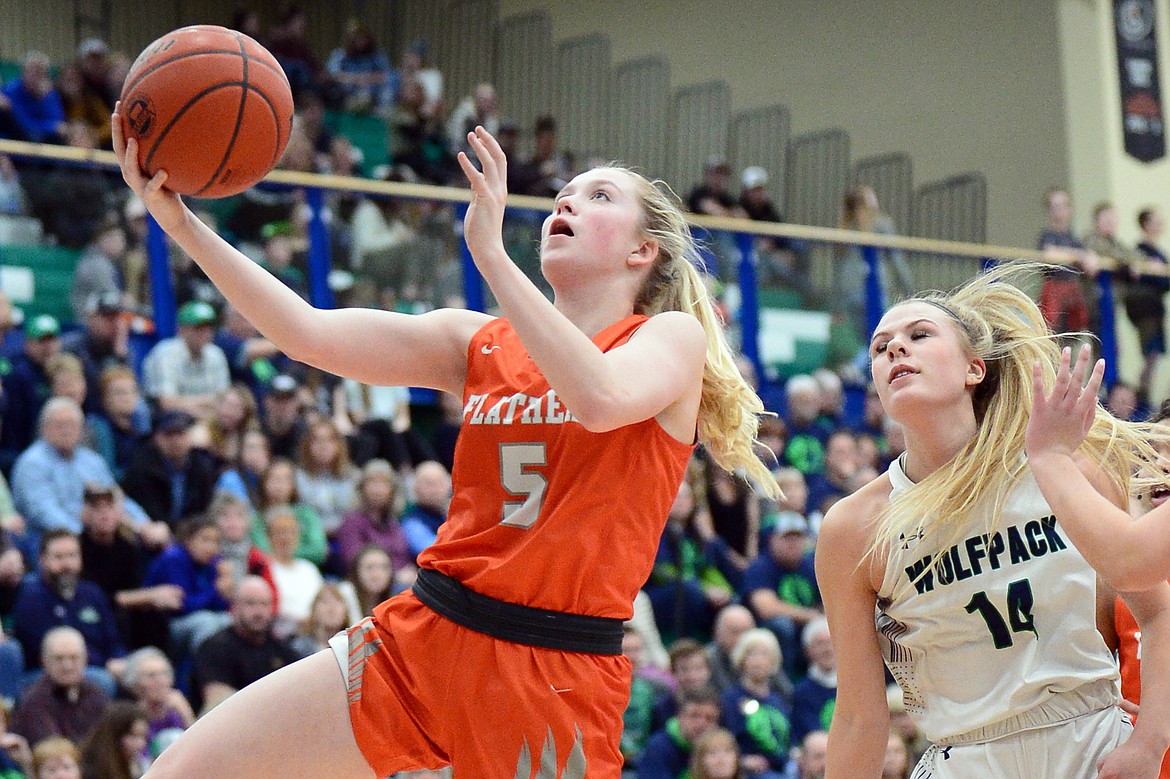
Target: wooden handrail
x,y
106,159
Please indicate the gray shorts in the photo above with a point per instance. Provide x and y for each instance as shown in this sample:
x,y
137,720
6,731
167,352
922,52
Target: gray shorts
x,y
1065,750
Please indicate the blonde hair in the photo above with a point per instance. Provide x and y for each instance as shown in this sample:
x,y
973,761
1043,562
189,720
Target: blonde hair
x,y
999,323
707,742
729,410
50,748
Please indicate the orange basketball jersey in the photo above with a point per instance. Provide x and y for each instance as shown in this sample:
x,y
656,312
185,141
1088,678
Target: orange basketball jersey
x,y
1129,653
545,513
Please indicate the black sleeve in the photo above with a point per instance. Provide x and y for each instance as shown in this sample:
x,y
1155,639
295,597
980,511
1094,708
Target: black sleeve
x,y
214,663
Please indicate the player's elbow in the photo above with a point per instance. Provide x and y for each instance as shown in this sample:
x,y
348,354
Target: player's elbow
x,y
600,410
1131,577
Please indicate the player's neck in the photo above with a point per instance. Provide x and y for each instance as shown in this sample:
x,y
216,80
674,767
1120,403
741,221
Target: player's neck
x,y
592,309
932,445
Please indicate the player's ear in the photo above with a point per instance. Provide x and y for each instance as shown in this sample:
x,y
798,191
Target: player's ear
x,y
645,253
976,371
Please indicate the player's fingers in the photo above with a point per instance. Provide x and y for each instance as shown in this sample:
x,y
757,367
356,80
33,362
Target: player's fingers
x,y
156,183
1063,377
474,177
1081,369
493,146
116,133
130,170
1039,397
487,163
1088,397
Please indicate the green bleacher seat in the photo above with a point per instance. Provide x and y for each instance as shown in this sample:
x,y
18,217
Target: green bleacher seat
x,y
38,278
368,133
9,69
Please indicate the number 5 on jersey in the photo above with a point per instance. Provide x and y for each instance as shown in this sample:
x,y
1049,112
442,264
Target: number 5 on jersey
x,y
517,478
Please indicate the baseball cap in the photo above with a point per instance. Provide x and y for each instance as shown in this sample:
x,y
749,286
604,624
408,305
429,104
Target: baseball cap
x,y
715,162
92,46
283,385
790,522
196,313
173,421
42,326
754,176
94,491
104,303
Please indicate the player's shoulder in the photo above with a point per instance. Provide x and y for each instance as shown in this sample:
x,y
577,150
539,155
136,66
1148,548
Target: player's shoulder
x,y
678,332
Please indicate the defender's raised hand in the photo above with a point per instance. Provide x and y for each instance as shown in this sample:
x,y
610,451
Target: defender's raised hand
x,y
1061,419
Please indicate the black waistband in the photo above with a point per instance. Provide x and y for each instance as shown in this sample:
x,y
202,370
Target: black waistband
x,y
515,623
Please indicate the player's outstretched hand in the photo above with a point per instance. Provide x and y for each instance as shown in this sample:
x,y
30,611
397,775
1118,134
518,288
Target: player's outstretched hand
x,y
483,227
164,205
1061,419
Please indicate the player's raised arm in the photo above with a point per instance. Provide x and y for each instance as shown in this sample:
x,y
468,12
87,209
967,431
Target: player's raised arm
x,y
375,347
1131,554
597,256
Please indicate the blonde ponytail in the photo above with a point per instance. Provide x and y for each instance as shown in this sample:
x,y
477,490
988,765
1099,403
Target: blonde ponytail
x,y
729,410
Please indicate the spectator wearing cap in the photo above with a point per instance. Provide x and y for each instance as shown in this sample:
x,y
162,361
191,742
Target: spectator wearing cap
x,y
49,477
712,197
780,586
187,372
92,102
114,558
135,263
781,261
99,269
104,341
26,387
34,104
283,419
169,477
58,596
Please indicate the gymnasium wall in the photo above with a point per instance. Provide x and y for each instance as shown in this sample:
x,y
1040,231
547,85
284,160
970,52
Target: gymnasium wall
x,y
958,85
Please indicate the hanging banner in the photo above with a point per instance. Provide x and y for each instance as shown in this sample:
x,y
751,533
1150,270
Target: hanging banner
x,y
1137,67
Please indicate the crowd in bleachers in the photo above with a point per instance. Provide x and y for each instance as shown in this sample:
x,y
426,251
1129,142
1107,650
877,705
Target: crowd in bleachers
x,y
176,524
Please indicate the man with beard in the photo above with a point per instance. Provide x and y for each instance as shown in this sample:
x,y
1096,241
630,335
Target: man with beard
x,y
60,597
244,651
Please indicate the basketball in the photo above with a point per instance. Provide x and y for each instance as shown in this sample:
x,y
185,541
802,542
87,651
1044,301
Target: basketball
x,y
211,107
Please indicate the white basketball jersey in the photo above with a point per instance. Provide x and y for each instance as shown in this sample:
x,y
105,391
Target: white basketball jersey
x,y
997,625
